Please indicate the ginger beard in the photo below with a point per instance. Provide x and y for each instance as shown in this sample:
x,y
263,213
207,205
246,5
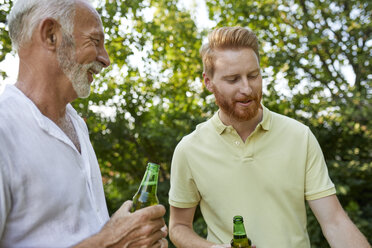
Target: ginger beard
x,y
230,108
75,72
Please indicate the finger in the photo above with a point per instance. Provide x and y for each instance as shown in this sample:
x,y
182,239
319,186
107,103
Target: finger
x,y
156,237
153,212
222,246
159,227
164,229
164,243
156,245
161,243
151,240
123,210
146,229
126,206
150,226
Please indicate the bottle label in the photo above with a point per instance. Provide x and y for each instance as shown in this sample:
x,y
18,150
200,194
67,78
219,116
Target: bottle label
x,y
151,183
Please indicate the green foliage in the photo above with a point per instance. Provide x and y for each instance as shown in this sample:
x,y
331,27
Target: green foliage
x,y
156,99
5,44
309,43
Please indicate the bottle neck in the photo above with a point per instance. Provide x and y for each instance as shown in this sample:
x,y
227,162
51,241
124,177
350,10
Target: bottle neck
x,y
149,181
240,238
239,230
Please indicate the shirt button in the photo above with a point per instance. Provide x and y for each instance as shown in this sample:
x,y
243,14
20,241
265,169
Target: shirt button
x,y
237,143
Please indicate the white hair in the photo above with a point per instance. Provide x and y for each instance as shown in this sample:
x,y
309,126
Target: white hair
x,y
26,15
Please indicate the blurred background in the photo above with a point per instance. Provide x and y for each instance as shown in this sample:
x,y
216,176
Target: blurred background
x,y
316,59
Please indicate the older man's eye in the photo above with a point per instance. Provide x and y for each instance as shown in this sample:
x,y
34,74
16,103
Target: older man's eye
x,y
95,41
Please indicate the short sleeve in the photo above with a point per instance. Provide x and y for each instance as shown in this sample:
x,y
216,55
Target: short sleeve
x,y
317,183
183,191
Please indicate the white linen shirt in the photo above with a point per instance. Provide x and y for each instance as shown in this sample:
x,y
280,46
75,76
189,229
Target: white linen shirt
x,y
50,194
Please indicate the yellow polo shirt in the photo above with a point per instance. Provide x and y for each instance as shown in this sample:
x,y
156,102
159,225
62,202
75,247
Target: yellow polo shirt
x,y
265,179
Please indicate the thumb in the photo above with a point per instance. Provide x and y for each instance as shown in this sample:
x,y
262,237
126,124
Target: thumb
x,y
124,209
126,206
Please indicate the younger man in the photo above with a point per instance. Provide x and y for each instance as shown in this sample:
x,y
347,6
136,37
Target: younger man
x,y
249,161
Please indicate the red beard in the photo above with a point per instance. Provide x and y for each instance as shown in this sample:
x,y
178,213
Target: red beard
x,y
239,113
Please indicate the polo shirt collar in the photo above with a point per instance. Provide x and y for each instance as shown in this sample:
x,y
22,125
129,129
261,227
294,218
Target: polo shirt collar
x,y
264,124
266,120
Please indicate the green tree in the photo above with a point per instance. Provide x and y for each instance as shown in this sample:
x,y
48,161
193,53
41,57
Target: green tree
x,y
5,44
156,100
152,95
311,44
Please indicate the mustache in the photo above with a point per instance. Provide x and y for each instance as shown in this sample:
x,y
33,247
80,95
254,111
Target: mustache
x,y
255,96
95,66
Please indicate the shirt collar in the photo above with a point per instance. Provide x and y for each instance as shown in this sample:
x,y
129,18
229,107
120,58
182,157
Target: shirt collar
x,y
264,124
44,122
266,120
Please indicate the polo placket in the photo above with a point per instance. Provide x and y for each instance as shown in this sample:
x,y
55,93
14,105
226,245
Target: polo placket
x,y
242,150
248,153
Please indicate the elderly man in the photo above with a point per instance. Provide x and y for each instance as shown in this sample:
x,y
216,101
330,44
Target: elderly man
x,y
51,192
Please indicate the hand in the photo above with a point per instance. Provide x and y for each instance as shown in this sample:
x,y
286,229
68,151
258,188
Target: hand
x,y
226,246
143,228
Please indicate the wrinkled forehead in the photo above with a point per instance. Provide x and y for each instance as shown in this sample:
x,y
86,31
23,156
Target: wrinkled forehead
x,y
87,16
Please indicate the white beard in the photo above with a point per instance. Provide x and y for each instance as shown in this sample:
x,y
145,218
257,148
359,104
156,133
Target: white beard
x,y
78,75
75,72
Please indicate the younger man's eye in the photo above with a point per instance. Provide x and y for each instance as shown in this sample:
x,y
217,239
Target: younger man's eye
x,y
253,76
231,80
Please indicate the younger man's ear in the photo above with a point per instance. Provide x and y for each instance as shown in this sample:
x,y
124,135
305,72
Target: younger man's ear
x,y
50,33
207,82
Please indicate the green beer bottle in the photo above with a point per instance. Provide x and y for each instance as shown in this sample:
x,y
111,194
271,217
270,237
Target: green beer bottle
x,y
240,239
146,194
